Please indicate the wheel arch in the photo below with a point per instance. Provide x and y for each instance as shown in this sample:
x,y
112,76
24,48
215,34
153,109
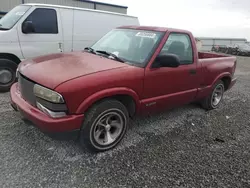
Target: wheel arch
x,y
11,57
226,80
225,77
126,96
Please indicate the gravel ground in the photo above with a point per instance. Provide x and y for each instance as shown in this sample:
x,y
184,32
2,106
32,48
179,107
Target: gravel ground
x,y
184,147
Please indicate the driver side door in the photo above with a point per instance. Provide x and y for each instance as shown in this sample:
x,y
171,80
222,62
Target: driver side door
x,y
167,87
47,36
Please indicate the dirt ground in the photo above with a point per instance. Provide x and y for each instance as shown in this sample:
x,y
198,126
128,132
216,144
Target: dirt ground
x,y
184,147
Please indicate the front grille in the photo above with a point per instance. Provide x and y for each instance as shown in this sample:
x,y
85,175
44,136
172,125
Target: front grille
x,y
26,89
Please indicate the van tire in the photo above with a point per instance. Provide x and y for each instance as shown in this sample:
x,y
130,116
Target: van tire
x,y
108,108
208,103
7,67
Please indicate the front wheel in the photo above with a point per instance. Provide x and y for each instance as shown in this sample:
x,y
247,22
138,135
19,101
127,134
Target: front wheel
x,y
104,126
7,74
215,98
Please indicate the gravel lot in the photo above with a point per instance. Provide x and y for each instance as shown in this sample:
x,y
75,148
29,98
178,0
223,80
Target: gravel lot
x,y
184,147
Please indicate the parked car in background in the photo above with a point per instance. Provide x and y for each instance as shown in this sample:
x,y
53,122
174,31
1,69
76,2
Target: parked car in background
x,y
222,48
92,94
32,30
219,48
241,49
229,49
215,48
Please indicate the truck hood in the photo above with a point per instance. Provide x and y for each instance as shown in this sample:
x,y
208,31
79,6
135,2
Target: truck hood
x,y
54,69
3,34
8,36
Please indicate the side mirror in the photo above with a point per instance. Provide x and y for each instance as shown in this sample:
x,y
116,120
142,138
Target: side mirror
x,y
28,27
166,60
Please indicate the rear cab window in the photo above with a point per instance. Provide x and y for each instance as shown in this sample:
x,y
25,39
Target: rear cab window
x,y
179,44
44,21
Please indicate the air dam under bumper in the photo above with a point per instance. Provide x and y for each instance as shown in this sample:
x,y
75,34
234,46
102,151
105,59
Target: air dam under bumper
x,y
233,82
60,128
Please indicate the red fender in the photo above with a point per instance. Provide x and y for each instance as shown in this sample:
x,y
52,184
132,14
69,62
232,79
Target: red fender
x,y
107,93
205,91
225,74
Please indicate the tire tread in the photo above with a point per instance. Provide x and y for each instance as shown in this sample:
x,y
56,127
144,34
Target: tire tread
x,y
206,103
90,117
11,65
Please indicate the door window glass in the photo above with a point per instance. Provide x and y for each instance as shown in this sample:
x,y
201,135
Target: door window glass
x,y
180,45
44,21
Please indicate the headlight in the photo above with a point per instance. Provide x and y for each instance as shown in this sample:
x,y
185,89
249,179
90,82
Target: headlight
x,y
47,94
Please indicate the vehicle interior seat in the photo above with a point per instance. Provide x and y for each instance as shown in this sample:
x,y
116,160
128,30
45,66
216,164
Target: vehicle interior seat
x,y
177,48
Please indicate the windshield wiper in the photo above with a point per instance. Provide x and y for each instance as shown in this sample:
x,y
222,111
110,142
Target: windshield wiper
x,y
91,50
110,54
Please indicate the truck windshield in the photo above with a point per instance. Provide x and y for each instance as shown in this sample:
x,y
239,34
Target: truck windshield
x,y
132,46
12,17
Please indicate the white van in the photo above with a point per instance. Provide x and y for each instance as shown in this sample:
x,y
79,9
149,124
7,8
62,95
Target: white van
x,y
31,30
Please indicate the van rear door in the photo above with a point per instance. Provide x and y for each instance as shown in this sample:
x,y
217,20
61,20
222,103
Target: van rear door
x,y
46,37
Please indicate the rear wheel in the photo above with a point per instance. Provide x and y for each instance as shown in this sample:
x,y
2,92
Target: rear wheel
x,y
7,74
215,98
104,126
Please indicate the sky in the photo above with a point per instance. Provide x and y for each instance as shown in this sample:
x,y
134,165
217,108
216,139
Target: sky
x,y
205,18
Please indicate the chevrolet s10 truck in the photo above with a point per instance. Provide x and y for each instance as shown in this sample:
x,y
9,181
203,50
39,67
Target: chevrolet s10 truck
x,y
92,94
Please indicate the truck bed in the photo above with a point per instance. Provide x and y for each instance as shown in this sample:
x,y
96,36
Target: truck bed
x,y
214,67
207,55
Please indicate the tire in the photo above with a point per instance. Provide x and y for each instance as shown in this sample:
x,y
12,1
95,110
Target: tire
x,y
209,102
7,74
96,124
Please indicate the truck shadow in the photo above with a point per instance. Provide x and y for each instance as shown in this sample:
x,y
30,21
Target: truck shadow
x,y
70,151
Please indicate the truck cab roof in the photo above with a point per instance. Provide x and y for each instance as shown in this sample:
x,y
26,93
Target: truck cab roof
x,y
155,28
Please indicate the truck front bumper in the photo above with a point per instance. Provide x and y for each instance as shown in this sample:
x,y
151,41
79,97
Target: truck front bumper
x,y
60,128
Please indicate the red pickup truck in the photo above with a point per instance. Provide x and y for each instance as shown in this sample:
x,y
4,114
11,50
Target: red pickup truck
x,y
92,94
